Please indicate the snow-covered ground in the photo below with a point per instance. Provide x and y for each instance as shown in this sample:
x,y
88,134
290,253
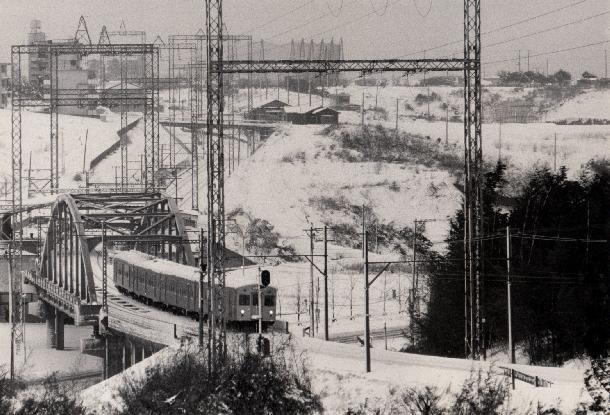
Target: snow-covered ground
x,y
338,375
41,361
593,104
72,132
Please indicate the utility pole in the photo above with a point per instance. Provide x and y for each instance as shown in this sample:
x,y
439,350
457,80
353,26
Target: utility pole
x,y
202,270
555,154
606,62
447,126
397,117
500,140
85,150
367,328
519,61
362,111
428,100
528,60
325,283
413,284
511,348
312,309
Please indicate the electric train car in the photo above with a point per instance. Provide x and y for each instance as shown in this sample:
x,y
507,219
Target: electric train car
x,y
175,287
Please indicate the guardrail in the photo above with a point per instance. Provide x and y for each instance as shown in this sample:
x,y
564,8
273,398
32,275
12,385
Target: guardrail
x,y
524,377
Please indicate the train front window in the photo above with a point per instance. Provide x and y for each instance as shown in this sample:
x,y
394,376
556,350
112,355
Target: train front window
x,y
254,299
244,299
270,301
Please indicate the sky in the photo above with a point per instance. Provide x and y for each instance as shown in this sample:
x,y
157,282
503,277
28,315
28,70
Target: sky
x,y
369,28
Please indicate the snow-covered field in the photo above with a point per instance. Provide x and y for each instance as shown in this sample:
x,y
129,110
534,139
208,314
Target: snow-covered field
x,y
296,167
41,361
339,377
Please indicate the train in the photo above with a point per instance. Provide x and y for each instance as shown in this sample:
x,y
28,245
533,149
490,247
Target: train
x,y
175,287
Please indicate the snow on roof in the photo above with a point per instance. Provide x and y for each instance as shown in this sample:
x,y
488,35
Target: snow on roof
x,y
321,109
274,103
233,278
301,110
162,266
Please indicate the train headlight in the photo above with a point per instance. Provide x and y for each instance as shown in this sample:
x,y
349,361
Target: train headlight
x,y
242,311
271,312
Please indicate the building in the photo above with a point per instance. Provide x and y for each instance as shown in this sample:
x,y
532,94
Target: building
x,y
38,63
28,262
278,111
113,91
311,115
272,111
5,82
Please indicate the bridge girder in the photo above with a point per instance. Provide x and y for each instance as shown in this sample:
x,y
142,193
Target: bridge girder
x,y
64,276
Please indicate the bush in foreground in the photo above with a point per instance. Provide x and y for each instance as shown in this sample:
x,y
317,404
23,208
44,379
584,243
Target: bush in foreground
x,y
483,393
245,383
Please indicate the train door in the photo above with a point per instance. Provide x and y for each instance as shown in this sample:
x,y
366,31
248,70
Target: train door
x,y
254,302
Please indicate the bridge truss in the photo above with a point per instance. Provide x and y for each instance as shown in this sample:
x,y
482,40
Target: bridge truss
x,y
469,65
77,223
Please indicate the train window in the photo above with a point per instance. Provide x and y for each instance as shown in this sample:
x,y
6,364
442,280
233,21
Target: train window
x,y
254,299
270,301
244,299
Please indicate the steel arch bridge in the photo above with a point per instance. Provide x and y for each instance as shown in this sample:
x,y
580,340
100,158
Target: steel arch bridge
x,y
64,278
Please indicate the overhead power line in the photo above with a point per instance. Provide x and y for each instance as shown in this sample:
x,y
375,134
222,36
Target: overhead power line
x,y
498,29
552,52
307,22
278,17
550,29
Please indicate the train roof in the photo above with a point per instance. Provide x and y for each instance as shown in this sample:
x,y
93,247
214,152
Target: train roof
x,y
233,278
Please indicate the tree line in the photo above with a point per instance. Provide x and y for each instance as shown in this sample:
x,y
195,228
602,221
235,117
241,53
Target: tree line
x,y
559,264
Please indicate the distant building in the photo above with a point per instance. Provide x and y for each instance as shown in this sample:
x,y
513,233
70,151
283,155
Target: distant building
x,y
272,111
5,82
38,63
277,111
28,263
339,99
341,102
312,115
113,91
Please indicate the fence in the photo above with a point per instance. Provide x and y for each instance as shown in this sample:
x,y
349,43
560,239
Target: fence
x,y
524,377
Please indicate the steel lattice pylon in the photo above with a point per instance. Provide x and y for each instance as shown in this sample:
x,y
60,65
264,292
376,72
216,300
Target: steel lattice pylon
x,y
215,170
473,155
470,64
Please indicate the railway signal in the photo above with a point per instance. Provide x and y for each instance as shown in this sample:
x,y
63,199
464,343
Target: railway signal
x,y
265,278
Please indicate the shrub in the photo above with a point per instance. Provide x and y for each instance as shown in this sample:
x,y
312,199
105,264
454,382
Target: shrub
x,y
382,145
78,177
51,398
242,383
482,394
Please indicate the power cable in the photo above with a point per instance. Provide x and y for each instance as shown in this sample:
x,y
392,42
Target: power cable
x,y
338,11
424,15
387,3
279,17
550,52
548,30
497,29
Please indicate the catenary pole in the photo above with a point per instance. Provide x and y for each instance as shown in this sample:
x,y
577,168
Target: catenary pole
x,y
367,328
511,348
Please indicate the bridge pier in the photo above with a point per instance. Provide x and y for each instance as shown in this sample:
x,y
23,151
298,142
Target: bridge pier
x,y
59,330
49,311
